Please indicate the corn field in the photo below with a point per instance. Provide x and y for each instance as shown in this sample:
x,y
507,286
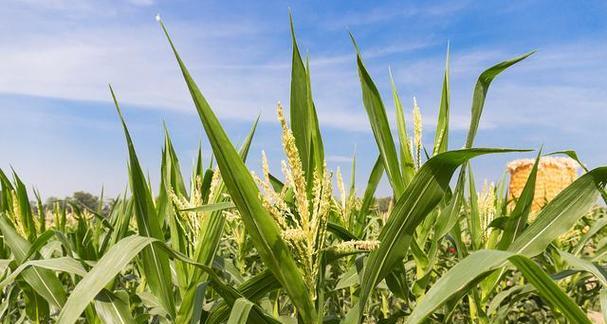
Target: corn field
x,y
303,246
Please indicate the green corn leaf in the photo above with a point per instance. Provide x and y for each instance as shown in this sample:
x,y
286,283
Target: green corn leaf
x,y
341,232
172,180
441,136
62,264
5,198
172,167
594,229
560,214
252,289
114,261
406,159
380,125
465,273
317,150
515,224
508,294
474,217
155,263
299,103
580,264
210,207
480,93
121,216
304,121
36,308
603,301
113,307
25,210
426,190
240,311
241,186
211,230
352,192
449,215
572,154
555,219
369,195
39,242
198,303
41,215
518,218
4,263
44,282
549,290
212,224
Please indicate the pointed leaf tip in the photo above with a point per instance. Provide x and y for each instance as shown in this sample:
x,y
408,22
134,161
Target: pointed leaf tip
x,y
354,43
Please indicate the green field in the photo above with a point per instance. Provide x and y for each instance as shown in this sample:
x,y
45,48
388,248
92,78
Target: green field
x,y
303,246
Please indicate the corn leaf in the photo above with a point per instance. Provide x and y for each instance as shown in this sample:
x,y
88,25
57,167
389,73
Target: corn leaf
x,y
299,104
116,259
518,218
406,159
555,219
155,263
43,281
474,217
369,196
572,154
515,224
441,136
113,307
259,224
210,207
603,301
426,190
594,229
172,180
211,230
252,289
480,93
580,264
549,290
380,125
561,213
62,264
240,311
465,273
304,121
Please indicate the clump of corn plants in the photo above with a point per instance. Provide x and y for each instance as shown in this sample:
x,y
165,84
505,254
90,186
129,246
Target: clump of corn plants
x,y
303,247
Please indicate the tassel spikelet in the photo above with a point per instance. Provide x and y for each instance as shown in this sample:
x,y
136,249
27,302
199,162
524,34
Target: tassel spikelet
x,y
192,218
303,225
355,246
17,217
417,132
486,207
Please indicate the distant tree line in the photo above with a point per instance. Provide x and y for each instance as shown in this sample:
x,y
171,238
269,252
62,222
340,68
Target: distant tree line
x,y
82,200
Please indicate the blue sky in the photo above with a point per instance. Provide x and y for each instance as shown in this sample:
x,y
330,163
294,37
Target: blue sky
x,y
60,132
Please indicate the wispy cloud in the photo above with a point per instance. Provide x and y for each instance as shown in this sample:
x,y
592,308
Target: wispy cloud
x,y
393,11
142,2
240,56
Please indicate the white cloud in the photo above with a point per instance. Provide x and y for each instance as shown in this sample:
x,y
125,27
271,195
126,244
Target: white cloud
x,y
236,66
391,12
142,2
